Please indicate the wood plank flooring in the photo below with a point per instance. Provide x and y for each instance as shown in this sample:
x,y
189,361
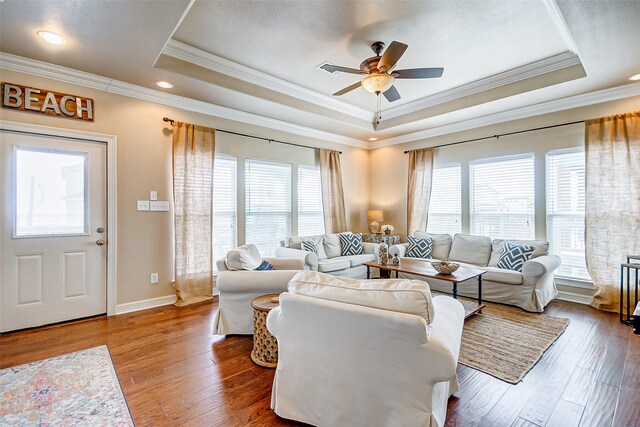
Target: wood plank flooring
x,y
175,372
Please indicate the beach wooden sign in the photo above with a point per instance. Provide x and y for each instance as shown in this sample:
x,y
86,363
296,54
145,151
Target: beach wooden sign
x,y
35,100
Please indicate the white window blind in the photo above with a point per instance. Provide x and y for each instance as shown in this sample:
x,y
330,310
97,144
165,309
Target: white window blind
x,y
445,207
310,214
224,206
565,211
268,204
502,197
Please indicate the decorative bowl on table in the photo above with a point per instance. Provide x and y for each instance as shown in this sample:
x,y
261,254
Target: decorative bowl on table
x,y
444,267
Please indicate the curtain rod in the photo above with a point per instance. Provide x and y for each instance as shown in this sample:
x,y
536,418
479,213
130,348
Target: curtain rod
x,y
502,134
166,119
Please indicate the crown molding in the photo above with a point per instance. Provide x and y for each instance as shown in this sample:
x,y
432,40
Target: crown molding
x,y
229,68
533,69
597,97
81,78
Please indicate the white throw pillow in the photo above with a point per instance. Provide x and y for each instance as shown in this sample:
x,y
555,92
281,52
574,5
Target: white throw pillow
x,y
332,246
295,242
400,295
245,257
474,250
441,244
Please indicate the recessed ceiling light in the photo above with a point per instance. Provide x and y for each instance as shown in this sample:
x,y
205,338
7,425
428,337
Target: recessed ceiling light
x,y
636,77
373,139
52,38
165,85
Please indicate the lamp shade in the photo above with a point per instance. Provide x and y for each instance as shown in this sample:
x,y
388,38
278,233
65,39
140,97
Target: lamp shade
x,y
375,215
377,83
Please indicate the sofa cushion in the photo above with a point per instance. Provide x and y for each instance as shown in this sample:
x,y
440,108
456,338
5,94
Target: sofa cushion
x,y
351,243
295,242
400,295
331,244
356,260
441,244
514,256
333,264
245,257
474,250
419,247
542,248
509,277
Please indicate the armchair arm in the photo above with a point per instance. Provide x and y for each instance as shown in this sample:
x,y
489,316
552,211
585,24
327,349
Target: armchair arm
x,y
286,263
370,248
270,281
310,259
540,266
445,336
399,249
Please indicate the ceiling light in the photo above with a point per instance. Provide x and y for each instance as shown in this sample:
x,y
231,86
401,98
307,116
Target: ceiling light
x,y
636,77
373,139
164,85
52,38
377,83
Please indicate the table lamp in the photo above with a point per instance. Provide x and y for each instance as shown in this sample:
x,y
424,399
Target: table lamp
x,y
375,218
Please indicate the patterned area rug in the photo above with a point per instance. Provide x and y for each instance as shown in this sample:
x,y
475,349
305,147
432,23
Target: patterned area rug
x,y
78,388
506,342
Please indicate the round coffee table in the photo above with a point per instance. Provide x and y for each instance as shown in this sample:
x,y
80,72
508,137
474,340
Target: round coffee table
x,y
265,345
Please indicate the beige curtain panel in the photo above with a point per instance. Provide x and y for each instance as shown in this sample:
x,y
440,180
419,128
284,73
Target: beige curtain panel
x,y
332,193
419,194
193,154
612,202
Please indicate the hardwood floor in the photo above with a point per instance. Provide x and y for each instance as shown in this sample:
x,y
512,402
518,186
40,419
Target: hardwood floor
x,y
175,372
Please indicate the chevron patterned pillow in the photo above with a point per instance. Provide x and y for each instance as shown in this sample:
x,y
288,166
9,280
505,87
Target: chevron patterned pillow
x,y
514,256
309,245
351,244
419,247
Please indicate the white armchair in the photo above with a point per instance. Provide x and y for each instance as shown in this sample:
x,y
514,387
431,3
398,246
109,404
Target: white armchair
x,y
344,363
238,288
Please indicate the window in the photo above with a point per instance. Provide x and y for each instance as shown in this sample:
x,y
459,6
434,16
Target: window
x,y
565,211
502,197
310,214
268,204
445,207
224,206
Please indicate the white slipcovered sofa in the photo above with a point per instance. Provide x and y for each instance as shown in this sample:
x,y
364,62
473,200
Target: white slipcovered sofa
x,y
329,258
237,288
364,352
532,289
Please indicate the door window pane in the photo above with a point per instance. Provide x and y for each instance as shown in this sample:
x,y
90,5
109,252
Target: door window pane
x,y
51,194
445,207
224,206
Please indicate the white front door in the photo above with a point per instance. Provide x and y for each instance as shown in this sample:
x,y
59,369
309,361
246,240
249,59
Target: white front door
x,y
52,229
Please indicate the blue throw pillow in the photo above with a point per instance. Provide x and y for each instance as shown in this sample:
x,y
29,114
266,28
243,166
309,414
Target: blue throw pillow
x,y
265,266
351,244
514,256
308,245
419,247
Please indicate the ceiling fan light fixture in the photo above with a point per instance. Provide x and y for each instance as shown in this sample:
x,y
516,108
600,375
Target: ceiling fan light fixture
x,y
378,83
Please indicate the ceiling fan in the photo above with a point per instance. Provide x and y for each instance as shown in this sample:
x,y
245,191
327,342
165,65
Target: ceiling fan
x,y
380,71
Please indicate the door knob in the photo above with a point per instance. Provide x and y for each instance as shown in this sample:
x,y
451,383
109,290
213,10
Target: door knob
x,y
99,242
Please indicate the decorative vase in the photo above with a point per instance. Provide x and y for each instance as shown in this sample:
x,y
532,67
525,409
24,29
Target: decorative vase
x,y
395,260
383,254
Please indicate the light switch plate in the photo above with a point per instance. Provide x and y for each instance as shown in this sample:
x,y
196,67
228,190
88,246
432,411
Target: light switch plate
x,y
154,278
159,206
153,195
143,205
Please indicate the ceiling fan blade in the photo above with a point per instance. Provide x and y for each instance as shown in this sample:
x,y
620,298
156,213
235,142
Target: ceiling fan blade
x,y
333,68
347,89
391,94
391,56
418,73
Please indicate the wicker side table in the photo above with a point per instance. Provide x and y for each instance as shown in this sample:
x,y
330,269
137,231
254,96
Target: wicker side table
x,y
265,345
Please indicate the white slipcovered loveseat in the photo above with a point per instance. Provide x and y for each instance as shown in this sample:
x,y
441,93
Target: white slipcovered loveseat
x,y
531,289
364,352
329,257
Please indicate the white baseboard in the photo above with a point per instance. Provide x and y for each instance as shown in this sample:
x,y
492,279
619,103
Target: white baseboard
x,y
145,304
578,298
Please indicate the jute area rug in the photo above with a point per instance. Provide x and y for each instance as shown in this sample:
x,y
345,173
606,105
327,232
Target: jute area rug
x,y
506,342
79,388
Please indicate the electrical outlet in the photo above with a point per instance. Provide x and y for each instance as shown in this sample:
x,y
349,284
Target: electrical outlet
x,y
154,278
159,206
143,205
153,195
